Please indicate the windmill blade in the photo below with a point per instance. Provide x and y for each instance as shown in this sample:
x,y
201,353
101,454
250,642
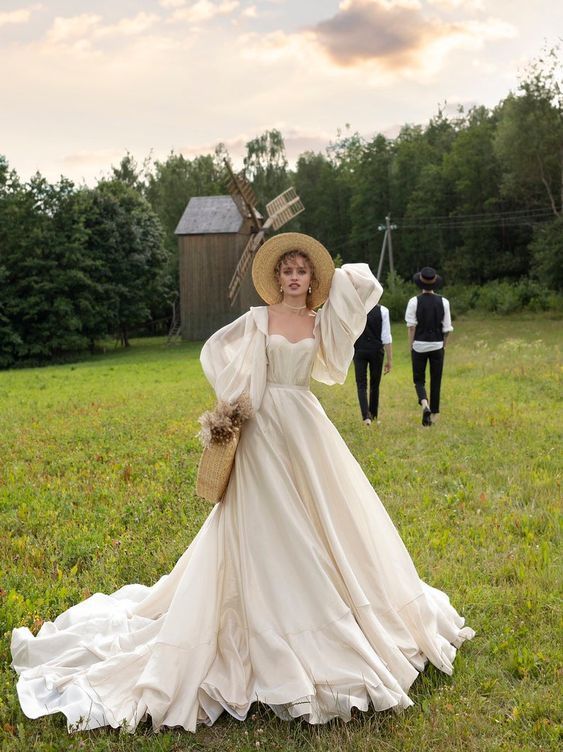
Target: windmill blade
x,y
254,242
243,195
238,184
241,206
283,208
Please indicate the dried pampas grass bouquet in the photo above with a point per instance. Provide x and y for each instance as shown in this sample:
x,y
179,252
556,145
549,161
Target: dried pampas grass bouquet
x,y
219,426
219,434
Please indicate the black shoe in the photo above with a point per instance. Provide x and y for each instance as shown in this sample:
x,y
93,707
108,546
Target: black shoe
x,y
426,419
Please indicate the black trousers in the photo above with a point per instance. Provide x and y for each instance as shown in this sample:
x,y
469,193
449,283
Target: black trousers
x,y
436,360
374,361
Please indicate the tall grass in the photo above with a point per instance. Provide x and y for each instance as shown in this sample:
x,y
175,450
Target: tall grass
x,y
97,472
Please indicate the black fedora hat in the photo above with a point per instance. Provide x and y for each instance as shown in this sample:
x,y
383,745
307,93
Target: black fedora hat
x,y
427,278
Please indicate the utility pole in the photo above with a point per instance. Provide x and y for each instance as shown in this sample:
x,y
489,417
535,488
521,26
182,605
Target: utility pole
x,y
387,244
383,246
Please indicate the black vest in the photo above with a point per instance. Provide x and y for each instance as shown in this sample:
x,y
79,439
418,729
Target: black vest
x,y
429,315
370,338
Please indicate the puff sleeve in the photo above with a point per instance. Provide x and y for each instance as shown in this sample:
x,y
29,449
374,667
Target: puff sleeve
x,y
354,292
234,360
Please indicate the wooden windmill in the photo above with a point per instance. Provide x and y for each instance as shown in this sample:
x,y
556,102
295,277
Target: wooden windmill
x,y
216,235
280,210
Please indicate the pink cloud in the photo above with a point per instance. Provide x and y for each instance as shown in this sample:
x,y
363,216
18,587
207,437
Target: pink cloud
x,y
398,35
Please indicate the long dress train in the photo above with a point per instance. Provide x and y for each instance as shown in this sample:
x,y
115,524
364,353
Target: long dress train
x,y
297,591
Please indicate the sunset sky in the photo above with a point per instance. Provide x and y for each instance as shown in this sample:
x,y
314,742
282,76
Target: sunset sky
x,y
82,82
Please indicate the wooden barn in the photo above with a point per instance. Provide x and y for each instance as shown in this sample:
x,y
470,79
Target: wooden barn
x,y
212,235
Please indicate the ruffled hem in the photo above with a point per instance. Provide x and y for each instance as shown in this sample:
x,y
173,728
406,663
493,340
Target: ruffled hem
x,y
316,675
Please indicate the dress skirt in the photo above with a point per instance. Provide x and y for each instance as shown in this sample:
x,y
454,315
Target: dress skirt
x,y
297,592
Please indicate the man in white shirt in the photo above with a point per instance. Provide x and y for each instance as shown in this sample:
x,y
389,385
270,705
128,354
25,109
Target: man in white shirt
x,y
369,350
429,323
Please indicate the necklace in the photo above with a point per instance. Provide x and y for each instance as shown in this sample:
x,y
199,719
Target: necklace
x,y
293,308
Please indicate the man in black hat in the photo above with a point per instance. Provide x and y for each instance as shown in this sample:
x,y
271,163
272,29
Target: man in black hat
x,y
369,350
429,323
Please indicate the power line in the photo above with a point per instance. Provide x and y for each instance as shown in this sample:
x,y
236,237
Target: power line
x,y
491,222
506,213
504,220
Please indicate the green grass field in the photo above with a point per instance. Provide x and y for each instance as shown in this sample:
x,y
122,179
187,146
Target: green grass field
x,y
98,463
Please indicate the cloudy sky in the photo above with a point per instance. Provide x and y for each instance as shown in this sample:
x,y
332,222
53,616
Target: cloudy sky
x,y
84,81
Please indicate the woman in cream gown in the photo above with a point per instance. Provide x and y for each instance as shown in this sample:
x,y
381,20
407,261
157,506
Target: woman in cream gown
x,y
297,592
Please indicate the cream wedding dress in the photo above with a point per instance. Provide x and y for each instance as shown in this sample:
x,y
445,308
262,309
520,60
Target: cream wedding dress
x,y
297,591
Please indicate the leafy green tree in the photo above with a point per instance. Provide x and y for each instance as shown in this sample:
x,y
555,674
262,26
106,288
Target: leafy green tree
x,y
472,174
265,165
419,193
130,173
316,182
50,292
9,186
370,199
10,341
423,241
125,242
529,139
547,253
173,182
411,153
347,151
170,186
325,185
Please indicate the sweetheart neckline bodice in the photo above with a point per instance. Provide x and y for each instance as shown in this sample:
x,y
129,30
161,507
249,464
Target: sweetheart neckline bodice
x,y
291,342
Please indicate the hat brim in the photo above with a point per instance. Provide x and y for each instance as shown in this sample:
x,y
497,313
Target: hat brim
x,y
437,282
268,255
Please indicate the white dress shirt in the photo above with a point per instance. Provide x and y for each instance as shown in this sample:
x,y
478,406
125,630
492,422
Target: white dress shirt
x,y
386,338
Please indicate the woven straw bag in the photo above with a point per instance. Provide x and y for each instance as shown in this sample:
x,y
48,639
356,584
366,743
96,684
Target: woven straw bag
x,y
220,435
214,469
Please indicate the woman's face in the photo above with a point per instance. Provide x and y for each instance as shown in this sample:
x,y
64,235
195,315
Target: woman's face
x,y
295,277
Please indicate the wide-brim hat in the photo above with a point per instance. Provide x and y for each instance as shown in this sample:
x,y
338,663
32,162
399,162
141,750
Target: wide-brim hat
x,y
427,278
268,255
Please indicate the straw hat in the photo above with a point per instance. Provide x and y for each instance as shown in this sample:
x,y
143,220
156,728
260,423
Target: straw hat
x,y
268,255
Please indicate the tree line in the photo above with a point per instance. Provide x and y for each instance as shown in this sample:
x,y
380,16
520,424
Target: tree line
x,y
478,195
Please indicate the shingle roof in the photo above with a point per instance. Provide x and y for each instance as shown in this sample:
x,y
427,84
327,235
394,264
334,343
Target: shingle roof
x,y
209,214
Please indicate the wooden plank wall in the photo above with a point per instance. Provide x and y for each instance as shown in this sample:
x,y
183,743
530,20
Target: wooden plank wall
x,y
248,295
207,263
